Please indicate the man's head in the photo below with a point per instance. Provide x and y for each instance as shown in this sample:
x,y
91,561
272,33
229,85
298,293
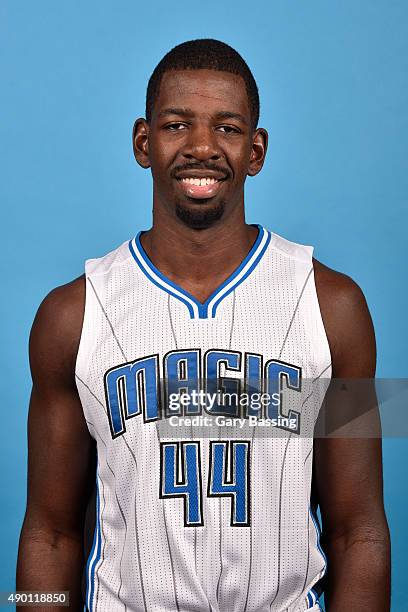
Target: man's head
x,y
202,110
209,54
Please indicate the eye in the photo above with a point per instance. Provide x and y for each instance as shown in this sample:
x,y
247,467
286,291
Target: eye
x,y
175,126
229,129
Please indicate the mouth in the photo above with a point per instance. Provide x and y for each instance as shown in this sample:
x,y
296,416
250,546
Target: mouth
x,y
202,187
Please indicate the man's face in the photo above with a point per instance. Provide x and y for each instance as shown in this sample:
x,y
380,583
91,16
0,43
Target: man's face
x,y
200,144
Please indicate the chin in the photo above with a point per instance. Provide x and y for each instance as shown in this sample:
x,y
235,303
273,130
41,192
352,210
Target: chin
x,y
197,216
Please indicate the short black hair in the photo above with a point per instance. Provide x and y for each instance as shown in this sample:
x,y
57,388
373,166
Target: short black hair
x,y
204,53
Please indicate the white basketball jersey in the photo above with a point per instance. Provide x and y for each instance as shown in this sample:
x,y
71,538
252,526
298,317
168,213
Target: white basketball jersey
x,y
196,518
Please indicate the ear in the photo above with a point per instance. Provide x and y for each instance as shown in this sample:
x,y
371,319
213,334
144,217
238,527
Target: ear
x,y
140,142
258,152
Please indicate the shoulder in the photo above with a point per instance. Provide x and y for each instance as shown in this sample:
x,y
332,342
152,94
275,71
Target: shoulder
x,y
64,305
57,327
333,286
56,330
347,321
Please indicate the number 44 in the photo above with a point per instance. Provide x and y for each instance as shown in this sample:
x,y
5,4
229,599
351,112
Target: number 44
x,y
229,469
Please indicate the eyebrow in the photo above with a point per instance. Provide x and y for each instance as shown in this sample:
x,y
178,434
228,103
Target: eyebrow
x,y
188,112
231,115
183,112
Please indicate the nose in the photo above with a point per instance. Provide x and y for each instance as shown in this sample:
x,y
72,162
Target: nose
x,y
201,144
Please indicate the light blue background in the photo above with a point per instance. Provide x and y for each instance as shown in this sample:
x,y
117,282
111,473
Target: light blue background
x,y
333,83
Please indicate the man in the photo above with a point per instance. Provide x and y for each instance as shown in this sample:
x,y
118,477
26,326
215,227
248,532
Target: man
x,y
218,521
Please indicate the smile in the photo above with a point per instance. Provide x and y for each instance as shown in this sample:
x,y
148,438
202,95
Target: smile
x,y
200,187
199,181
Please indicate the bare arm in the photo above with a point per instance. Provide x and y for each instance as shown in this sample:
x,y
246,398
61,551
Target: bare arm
x,y
348,471
60,452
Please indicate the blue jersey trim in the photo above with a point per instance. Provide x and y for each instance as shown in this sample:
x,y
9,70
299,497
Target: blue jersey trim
x,y
317,527
313,599
209,307
312,596
238,270
150,277
90,566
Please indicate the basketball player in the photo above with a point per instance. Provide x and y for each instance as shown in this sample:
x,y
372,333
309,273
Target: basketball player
x,y
224,521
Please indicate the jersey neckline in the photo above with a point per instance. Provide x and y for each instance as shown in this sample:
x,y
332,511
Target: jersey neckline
x,y
208,309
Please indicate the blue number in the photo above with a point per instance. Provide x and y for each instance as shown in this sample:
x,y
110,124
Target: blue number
x,y
189,485
229,477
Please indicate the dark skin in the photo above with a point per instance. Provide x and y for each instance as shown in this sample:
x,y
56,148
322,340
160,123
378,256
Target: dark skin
x,y
206,140
198,242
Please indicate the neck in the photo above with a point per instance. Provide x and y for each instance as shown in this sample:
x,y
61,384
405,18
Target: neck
x,y
199,260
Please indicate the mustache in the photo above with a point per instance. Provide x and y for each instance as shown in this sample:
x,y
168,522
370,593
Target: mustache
x,y
204,166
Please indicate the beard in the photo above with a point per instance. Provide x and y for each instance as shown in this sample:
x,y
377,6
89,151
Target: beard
x,y
198,216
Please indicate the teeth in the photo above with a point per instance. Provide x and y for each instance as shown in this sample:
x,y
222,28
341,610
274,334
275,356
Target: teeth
x,y
199,182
